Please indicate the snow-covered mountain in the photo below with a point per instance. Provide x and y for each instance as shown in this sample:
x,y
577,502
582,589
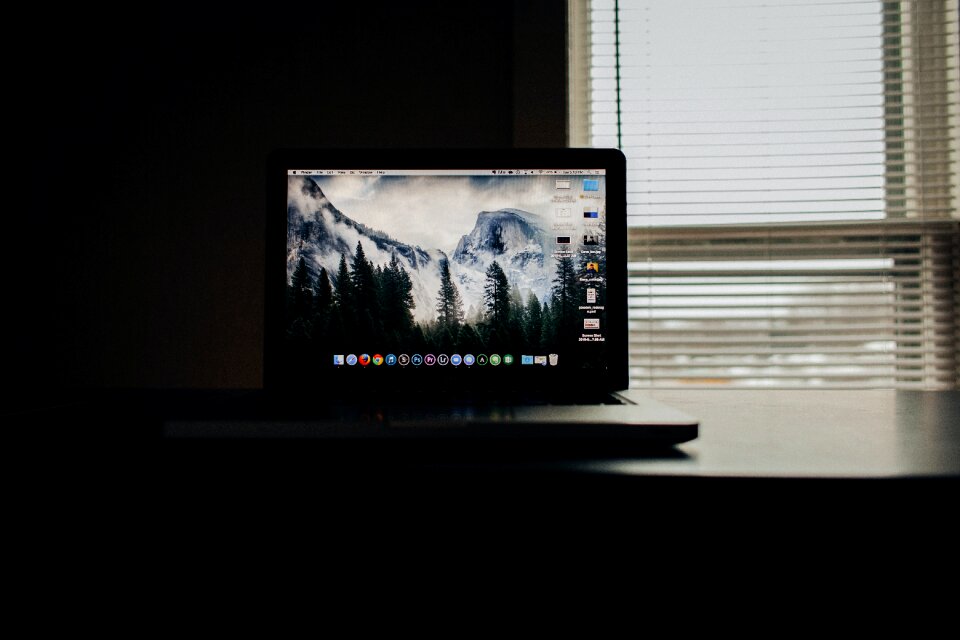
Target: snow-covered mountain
x,y
320,233
519,243
517,240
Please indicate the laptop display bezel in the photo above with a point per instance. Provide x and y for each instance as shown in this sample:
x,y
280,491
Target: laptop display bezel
x,y
276,359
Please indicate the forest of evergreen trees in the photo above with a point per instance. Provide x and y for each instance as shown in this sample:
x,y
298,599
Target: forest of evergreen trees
x,y
367,308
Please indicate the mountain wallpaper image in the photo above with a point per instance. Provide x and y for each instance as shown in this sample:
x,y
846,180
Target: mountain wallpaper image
x,y
446,276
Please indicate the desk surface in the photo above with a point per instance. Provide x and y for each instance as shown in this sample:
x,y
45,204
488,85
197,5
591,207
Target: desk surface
x,y
834,434
743,434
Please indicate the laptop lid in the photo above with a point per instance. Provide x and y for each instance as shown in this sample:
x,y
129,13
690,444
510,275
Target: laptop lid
x,y
446,271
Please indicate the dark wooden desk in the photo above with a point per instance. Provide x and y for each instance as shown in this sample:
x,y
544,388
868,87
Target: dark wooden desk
x,y
826,470
809,461
810,434
775,476
828,434
856,434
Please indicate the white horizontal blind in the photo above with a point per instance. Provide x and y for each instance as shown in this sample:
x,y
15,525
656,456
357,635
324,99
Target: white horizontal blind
x,y
832,305
792,177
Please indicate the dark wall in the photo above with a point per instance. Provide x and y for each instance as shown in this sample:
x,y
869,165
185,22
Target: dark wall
x,y
140,259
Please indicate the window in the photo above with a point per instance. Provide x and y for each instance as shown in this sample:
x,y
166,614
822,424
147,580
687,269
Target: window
x,y
792,187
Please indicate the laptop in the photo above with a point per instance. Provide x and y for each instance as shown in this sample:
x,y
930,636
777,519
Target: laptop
x,y
453,294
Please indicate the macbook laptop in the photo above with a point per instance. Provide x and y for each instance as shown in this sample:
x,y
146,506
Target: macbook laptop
x,y
453,294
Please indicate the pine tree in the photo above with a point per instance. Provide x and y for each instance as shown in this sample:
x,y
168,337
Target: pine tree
x,y
518,315
301,289
396,298
449,304
323,292
343,287
387,286
496,296
533,325
322,297
468,341
404,297
566,300
516,298
417,341
343,318
364,281
446,338
548,330
366,297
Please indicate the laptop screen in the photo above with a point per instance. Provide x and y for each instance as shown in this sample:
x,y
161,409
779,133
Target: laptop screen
x,y
494,274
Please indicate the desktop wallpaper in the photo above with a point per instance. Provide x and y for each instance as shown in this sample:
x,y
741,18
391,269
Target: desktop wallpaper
x,y
447,264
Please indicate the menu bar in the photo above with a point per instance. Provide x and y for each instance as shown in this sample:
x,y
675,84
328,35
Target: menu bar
x,y
446,172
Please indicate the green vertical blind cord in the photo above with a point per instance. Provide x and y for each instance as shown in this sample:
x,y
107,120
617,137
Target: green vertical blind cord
x,y
616,55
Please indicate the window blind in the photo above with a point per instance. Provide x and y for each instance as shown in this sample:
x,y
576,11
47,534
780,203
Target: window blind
x,y
832,305
792,186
